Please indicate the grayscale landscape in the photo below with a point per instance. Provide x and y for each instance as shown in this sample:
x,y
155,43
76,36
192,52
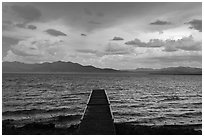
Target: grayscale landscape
x,y
67,65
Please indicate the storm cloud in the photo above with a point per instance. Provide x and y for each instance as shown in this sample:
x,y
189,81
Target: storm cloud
x,y
83,34
195,24
54,32
160,22
117,38
32,27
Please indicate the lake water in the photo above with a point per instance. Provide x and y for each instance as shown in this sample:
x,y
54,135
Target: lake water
x,y
142,99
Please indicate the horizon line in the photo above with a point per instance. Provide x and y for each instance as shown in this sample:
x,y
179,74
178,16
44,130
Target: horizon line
x,y
104,67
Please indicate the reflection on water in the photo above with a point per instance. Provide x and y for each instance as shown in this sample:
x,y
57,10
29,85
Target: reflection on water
x,y
144,99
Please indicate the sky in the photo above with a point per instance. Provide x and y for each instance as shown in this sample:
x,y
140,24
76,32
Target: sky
x,y
106,35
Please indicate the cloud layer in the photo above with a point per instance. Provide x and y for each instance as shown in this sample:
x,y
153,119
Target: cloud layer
x,y
153,43
160,22
186,43
195,24
157,34
36,50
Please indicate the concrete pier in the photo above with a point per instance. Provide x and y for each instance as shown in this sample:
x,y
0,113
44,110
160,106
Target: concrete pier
x,y
97,118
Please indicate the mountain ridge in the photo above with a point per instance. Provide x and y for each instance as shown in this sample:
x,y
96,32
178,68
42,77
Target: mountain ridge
x,y
180,70
60,66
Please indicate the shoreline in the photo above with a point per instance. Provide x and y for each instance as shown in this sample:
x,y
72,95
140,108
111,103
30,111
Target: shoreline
x,y
121,129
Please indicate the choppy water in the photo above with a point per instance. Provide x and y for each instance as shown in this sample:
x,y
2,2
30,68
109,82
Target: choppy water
x,y
143,99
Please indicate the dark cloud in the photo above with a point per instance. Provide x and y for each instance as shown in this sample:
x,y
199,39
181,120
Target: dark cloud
x,y
117,38
195,24
186,43
54,32
32,27
9,24
28,12
83,34
160,22
94,22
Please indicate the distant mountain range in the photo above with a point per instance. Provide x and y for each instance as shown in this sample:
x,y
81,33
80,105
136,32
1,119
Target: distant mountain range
x,y
60,66
170,71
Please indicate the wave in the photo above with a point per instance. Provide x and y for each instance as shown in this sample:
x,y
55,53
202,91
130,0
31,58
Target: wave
x,y
34,111
161,118
172,98
197,103
140,105
188,114
127,114
62,120
152,120
68,117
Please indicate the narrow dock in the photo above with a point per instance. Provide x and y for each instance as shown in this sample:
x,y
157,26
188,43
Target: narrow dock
x,y
97,118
